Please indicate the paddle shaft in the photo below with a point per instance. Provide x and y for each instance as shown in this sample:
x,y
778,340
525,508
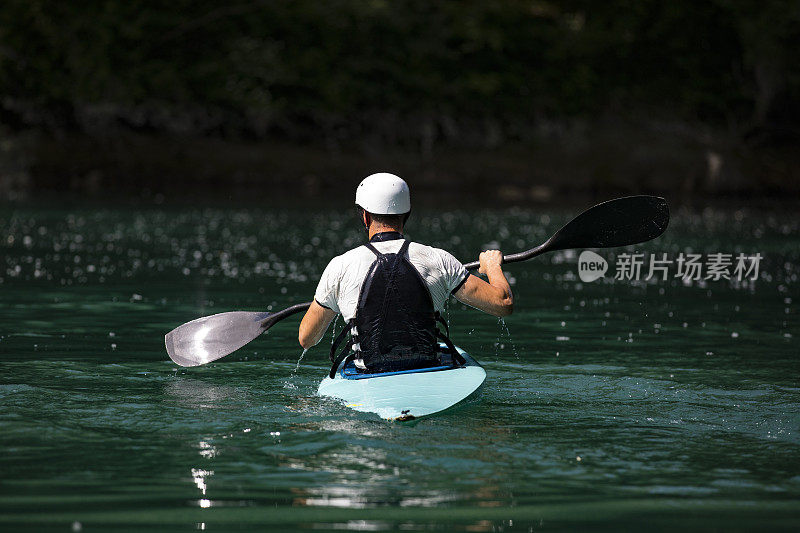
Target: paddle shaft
x,y
515,258
280,315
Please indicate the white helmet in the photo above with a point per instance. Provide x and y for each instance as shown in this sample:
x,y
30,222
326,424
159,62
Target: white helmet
x,y
383,194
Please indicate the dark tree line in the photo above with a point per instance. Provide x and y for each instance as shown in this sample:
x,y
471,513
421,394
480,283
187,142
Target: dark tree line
x,y
398,71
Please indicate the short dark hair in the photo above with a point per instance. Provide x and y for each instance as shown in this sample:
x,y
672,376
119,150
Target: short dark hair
x,y
387,220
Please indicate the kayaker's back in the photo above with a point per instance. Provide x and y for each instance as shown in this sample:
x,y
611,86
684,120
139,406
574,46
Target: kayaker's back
x,y
341,282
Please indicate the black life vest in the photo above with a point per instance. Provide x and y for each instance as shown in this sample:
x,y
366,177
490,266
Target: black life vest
x,y
394,327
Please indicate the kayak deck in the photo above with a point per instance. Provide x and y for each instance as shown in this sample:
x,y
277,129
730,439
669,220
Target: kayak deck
x,y
407,394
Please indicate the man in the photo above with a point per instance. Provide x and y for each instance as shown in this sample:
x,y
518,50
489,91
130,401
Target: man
x,y
390,291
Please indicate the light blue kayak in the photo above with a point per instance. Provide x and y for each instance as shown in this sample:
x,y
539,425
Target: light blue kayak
x,y
408,394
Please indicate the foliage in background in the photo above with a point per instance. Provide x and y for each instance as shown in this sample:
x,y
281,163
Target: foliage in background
x,y
462,72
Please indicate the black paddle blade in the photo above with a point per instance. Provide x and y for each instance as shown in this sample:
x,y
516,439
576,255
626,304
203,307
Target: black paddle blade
x,y
209,338
619,222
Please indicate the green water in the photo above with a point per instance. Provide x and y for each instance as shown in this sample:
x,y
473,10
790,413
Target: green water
x,y
608,405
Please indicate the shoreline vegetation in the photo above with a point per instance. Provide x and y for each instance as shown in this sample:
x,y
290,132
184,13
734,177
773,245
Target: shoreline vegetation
x,y
609,157
512,100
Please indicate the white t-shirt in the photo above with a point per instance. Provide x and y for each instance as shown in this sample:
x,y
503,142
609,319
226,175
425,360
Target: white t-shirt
x,y
340,284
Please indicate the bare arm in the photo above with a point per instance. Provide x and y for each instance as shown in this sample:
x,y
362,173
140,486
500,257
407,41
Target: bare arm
x,y
314,324
494,297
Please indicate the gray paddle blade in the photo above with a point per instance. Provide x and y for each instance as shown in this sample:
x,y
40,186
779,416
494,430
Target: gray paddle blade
x,y
209,338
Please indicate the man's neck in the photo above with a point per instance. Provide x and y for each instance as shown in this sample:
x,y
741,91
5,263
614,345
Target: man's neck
x,y
374,229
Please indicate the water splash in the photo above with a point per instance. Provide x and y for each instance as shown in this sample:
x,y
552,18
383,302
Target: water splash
x,y
333,329
290,383
504,333
297,366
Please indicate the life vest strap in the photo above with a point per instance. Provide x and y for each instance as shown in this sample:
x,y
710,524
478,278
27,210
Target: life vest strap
x,y
445,338
348,328
440,320
457,358
344,354
373,249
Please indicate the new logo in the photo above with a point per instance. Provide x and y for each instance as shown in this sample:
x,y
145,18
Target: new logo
x,y
591,266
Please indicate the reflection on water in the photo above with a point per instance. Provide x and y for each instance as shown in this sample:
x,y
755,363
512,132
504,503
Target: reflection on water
x,y
364,497
199,476
198,394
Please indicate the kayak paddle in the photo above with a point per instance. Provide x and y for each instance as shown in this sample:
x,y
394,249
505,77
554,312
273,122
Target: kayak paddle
x,y
619,222
212,337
